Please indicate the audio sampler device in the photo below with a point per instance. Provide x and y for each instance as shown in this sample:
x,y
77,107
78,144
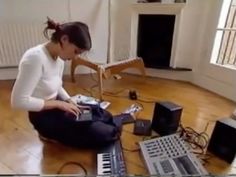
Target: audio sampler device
x,y
170,155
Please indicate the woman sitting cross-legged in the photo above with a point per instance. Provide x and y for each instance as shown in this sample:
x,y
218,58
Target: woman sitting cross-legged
x,y
39,85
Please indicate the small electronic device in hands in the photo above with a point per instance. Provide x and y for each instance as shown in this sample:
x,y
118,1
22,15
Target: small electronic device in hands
x,y
85,115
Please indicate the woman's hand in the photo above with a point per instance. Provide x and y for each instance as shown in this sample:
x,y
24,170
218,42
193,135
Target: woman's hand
x,y
71,101
78,105
65,106
69,107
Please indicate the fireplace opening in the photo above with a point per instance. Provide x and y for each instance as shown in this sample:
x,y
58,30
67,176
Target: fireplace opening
x,y
155,35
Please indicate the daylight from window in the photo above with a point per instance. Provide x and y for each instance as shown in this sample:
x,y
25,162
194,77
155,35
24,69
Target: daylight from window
x,y
224,50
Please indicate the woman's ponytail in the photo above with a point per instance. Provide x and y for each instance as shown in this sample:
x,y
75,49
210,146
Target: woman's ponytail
x,y
51,25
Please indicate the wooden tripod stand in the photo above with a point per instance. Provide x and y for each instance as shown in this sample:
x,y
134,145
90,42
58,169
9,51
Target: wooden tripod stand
x,y
107,70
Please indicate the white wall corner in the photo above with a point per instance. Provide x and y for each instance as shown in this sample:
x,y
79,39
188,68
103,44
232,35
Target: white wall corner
x,y
210,76
224,89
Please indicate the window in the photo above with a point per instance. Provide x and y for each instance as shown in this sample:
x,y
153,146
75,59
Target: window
x,y
224,50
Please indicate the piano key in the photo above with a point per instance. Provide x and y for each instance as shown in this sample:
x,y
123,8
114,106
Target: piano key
x,y
99,164
107,172
106,164
103,163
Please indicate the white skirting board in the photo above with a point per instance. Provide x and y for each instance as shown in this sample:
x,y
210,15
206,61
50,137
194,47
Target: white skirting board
x,y
8,73
211,84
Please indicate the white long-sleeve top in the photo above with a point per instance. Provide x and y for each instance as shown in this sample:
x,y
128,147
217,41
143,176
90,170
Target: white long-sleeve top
x,y
39,79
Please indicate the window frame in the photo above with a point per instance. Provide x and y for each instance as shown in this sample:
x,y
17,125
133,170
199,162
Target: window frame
x,y
219,37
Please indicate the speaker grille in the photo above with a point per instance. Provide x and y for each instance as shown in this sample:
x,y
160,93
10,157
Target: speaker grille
x,y
221,143
166,118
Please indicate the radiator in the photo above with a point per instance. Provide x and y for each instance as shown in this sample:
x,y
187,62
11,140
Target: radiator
x,y
15,39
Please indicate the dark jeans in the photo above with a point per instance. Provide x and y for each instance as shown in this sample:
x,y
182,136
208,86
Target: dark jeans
x,y
56,124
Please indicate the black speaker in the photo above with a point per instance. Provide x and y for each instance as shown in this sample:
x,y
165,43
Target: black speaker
x,y
222,142
166,118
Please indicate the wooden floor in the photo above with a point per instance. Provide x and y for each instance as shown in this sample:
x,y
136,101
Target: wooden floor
x,y
22,152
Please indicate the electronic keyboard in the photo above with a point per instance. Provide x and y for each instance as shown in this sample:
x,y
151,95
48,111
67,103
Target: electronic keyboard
x,y
110,160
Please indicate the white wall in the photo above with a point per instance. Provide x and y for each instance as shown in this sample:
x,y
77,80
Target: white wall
x,y
188,33
121,13
210,76
94,14
197,30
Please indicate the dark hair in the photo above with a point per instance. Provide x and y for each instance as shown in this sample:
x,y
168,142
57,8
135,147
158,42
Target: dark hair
x,y
77,32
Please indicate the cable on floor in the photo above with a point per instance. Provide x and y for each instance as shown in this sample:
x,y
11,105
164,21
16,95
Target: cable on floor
x,y
146,101
197,141
126,149
90,89
92,76
131,150
117,92
72,163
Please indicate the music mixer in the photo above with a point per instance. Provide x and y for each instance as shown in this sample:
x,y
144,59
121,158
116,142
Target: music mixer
x,y
169,155
110,160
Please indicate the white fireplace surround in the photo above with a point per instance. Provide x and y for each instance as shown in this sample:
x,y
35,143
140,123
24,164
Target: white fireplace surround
x,y
155,9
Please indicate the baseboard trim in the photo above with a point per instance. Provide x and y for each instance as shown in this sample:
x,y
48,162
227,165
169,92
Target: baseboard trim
x,y
8,73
